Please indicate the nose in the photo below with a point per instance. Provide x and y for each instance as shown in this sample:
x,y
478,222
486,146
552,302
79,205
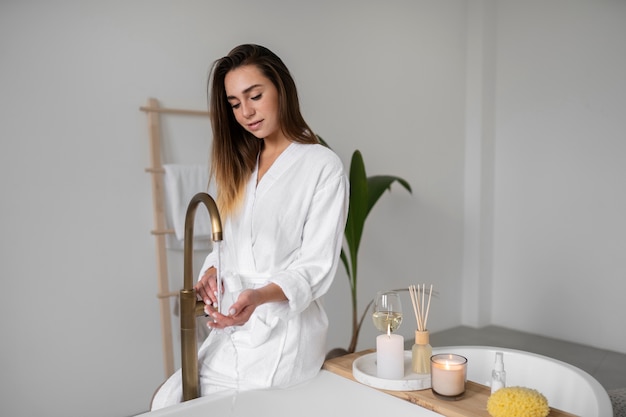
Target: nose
x,y
247,110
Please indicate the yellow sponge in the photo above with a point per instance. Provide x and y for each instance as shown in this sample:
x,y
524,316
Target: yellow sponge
x,y
517,402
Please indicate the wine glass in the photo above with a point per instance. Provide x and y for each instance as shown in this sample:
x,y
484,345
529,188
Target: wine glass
x,y
387,315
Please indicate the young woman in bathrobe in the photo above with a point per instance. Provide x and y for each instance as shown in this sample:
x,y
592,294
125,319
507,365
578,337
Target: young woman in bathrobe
x,y
283,199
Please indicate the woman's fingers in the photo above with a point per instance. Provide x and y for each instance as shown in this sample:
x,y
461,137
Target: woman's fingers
x,y
238,314
206,288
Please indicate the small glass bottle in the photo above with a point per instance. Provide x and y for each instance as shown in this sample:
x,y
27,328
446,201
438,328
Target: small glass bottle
x,y
498,375
421,353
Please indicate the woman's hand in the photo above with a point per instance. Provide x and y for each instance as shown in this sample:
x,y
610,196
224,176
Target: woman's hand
x,y
241,310
239,313
206,287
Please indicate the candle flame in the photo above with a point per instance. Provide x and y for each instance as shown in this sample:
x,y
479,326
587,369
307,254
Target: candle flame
x,y
388,329
447,365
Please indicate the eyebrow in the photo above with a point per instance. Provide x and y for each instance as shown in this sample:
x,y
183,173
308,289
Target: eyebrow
x,y
246,91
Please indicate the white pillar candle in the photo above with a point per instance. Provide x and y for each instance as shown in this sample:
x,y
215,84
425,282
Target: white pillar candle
x,y
448,374
390,356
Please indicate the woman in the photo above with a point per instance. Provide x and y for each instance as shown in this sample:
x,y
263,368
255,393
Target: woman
x,y
283,199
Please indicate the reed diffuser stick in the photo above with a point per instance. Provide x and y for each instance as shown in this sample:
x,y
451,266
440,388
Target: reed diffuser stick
x,y
420,307
430,294
415,305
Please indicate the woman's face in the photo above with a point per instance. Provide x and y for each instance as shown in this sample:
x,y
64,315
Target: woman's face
x,y
254,100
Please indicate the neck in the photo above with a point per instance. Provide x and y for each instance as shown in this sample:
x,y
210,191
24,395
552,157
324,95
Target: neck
x,y
274,145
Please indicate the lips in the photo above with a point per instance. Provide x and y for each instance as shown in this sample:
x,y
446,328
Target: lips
x,y
255,125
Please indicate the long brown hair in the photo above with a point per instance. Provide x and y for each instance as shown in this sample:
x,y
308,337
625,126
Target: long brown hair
x,y
235,150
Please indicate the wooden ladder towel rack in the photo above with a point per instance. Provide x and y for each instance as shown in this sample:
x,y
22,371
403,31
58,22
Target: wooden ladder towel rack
x,y
161,229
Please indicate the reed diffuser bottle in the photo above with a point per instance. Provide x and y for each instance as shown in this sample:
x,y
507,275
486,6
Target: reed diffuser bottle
x,y
422,351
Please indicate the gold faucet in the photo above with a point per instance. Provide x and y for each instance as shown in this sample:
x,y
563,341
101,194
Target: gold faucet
x,y
190,307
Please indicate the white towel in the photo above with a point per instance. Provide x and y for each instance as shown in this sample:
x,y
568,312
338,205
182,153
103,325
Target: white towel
x,y
182,182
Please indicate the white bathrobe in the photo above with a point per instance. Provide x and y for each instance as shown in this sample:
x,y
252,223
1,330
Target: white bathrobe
x,y
289,232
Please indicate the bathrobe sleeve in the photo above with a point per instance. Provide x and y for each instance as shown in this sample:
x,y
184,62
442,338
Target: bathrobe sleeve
x,y
324,212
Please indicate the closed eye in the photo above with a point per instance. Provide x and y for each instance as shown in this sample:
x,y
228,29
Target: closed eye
x,y
257,97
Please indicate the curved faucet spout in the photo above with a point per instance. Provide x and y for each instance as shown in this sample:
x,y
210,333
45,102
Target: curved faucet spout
x,y
216,231
190,307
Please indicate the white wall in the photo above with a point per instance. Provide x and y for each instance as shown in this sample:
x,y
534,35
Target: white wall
x,y
78,313
560,233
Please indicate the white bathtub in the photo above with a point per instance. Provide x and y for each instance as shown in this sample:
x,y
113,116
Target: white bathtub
x,y
566,387
327,394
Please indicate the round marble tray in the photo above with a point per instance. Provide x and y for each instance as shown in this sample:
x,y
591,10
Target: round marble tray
x,y
364,371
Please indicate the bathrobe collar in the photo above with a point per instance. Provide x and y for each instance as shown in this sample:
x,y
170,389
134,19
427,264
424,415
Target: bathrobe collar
x,y
286,159
255,191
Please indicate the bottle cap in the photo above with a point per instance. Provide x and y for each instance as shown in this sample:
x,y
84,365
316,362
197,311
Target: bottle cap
x,y
422,338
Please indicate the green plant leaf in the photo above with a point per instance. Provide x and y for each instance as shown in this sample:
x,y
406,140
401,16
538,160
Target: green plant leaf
x,y
357,211
376,186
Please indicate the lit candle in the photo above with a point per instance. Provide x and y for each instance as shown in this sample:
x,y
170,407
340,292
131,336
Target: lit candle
x,y
390,356
448,374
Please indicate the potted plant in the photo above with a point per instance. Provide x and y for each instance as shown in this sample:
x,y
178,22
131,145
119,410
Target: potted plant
x,y
364,193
